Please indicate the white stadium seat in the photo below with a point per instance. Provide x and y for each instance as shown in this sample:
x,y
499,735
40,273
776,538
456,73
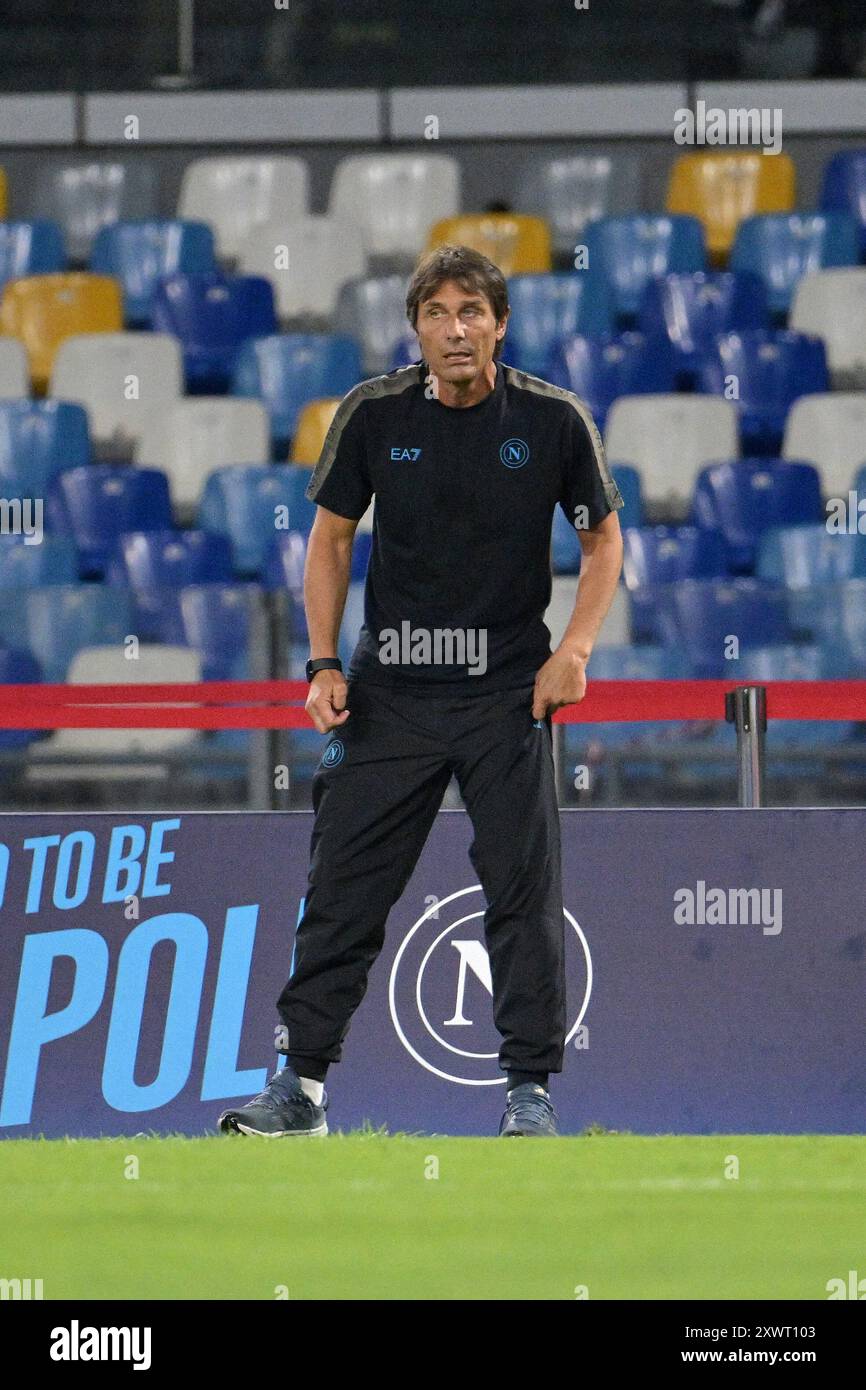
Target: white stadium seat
x,y
14,372
124,379
670,438
832,305
109,666
237,193
196,435
575,189
829,430
372,310
392,200
306,259
616,628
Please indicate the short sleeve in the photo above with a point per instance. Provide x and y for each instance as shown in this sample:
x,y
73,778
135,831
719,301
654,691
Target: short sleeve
x,y
341,478
585,481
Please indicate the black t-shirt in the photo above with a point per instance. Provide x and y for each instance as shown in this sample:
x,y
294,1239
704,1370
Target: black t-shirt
x,y
459,576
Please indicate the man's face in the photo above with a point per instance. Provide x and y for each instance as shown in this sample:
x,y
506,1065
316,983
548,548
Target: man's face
x,y
457,330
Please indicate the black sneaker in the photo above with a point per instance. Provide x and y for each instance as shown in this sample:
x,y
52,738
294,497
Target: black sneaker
x,y
282,1110
528,1113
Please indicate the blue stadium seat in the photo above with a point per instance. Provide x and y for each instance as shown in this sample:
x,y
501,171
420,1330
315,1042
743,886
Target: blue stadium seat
x,y
53,561
654,555
404,352
138,254
745,497
630,251
156,565
56,622
627,479
805,559
598,370
699,616
772,369
547,307
844,188
240,502
30,248
213,315
97,504
841,624
288,370
645,663
361,552
38,441
688,311
217,622
565,551
783,247
18,668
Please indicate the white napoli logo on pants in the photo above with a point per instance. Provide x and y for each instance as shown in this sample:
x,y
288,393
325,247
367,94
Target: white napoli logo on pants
x,y
441,989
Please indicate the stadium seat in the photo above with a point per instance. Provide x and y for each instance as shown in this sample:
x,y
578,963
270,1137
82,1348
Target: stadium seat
x,y
248,505
53,561
689,311
86,196
670,438
30,248
199,434
372,310
724,188
288,370
746,497
771,370
43,310
285,564
393,199
56,621
155,565
565,548
314,421
843,188
830,431
805,559
406,350
599,370
14,372
18,668
237,193
95,505
701,617
306,260
630,251
654,555
121,379
213,315
139,253
781,248
628,663
99,664
832,305
627,480
38,439
218,623
516,244
616,628
841,625
571,190
545,309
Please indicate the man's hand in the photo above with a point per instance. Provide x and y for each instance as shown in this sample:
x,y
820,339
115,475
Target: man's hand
x,y
326,700
561,681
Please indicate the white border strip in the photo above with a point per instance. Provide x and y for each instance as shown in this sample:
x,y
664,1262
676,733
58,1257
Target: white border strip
x,y
208,118
834,107
40,119
514,112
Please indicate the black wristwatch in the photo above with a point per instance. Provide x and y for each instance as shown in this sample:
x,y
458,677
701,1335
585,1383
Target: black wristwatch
x,y
323,663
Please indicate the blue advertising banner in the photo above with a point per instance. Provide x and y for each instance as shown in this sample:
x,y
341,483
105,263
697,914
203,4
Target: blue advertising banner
x,y
716,971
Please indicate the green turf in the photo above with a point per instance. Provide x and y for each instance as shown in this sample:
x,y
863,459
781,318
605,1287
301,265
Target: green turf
x,y
356,1216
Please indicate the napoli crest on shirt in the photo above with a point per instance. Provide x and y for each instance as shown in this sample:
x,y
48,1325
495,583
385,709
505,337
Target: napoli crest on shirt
x,y
514,453
333,754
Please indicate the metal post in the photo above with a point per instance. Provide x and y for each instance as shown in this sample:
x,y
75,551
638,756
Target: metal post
x,y
186,37
746,708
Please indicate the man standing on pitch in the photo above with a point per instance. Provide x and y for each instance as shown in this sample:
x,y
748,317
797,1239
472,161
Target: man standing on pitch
x,y
453,674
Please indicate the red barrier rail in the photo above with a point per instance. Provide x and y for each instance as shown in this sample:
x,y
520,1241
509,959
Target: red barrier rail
x,y
279,704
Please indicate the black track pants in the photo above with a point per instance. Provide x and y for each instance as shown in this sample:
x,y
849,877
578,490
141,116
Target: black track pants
x,y
375,794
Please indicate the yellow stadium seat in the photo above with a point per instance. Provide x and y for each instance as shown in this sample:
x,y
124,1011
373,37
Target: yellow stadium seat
x,y
313,424
722,189
3,199
516,244
43,310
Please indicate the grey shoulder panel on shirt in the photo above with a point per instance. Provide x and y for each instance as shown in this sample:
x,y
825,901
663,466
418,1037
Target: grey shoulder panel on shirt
x,y
524,382
377,388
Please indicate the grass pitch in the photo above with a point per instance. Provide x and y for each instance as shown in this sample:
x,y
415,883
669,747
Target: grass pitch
x,y
367,1216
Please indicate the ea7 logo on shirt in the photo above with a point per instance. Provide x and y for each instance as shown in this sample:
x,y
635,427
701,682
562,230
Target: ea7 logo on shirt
x,y
398,455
